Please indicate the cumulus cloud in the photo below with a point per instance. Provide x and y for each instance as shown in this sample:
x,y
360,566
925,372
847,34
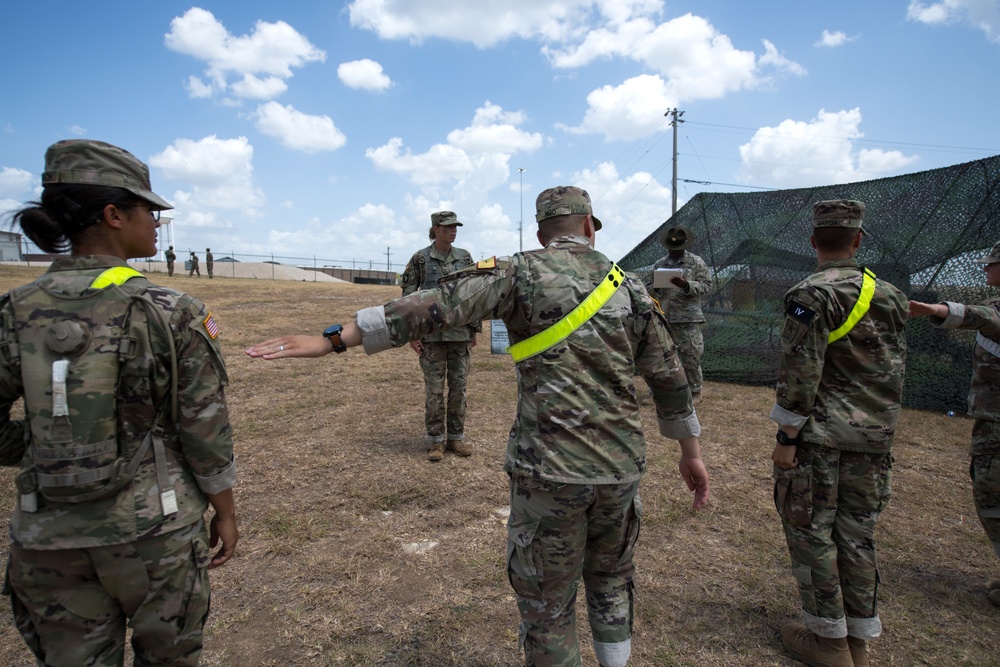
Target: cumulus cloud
x,y
984,15
626,111
15,182
215,174
77,130
834,39
261,61
481,149
364,74
818,152
297,130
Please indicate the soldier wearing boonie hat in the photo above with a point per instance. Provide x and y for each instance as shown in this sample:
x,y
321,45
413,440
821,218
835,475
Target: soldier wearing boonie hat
x,y
111,517
445,357
681,302
840,382
576,451
984,401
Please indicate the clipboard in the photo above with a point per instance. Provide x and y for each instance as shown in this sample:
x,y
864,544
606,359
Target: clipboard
x,y
661,278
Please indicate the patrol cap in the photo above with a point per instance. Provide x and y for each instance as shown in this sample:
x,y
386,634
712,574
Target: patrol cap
x,y
564,200
838,213
993,257
445,219
676,238
89,162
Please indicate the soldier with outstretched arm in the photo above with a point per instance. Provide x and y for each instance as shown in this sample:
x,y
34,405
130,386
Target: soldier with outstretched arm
x,y
576,451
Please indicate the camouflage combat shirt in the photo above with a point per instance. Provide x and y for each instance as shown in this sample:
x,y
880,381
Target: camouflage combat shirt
x,y
984,393
423,271
844,395
199,447
577,415
683,305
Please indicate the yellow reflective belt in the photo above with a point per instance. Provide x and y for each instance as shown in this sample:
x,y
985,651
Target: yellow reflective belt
x,y
117,275
562,329
859,310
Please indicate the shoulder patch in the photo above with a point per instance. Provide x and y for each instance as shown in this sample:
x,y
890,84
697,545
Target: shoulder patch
x,y
800,313
211,327
490,263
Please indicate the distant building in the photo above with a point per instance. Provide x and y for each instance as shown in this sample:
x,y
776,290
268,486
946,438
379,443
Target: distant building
x,y
359,276
10,247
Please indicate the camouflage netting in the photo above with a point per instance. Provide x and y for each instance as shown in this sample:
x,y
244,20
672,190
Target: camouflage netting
x,y
925,232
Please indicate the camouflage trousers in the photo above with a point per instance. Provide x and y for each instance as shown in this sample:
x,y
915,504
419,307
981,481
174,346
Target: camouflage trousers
x,y
690,348
445,361
208,269
71,606
170,268
556,534
984,469
828,505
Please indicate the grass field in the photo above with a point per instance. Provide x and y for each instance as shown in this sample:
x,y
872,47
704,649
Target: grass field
x,y
356,551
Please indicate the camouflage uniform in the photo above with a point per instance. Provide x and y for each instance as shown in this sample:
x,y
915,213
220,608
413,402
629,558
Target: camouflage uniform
x,y
844,396
77,571
447,355
209,262
194,266
576,451
683,310
171,257
984,407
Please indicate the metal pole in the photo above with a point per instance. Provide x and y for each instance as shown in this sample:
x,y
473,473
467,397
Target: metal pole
x,y
673,187
520,222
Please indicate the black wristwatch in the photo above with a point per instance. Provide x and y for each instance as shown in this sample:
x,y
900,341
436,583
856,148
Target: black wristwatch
x,y
332,334
785,441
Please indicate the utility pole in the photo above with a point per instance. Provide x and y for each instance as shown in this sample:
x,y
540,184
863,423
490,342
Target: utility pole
x,y
387,254
520,223
673,187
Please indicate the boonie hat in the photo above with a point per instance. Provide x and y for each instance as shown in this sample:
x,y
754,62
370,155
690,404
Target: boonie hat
x,y
838,213
445,219
993,257
676,238
89,162
564,200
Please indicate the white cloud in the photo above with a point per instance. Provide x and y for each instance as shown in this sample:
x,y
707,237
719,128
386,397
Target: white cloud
x,y
260,60
296,130
215,174
77,130
364,74
475,157
834,39
8,206
626,111
14,182
819,152
984,15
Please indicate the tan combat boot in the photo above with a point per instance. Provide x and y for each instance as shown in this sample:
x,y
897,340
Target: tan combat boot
x,y
859,651
814,650
459,447
436,452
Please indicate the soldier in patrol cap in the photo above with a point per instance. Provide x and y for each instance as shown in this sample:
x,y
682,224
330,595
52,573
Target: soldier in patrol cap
x,y
840,382
681,302
984,401
576,451
129,551
444,356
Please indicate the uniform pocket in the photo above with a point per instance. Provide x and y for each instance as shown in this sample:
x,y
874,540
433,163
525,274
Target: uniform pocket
x,y
523,566
196,609
793,494
632,531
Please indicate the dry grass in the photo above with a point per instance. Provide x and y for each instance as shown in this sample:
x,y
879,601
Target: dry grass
x,y
334,482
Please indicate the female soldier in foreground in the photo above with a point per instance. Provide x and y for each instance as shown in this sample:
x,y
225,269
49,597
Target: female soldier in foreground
x,y
126,431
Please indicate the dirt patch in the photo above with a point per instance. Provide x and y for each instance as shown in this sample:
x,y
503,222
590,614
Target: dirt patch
x,y
334,482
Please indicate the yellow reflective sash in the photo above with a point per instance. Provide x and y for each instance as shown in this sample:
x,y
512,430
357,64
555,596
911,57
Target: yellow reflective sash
x,y
562,329
115,275
860,308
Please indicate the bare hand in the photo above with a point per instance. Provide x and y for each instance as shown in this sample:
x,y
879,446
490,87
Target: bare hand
x,y
785,457
696,477
291,346
224,529
919,309
679,282
417,346
474,336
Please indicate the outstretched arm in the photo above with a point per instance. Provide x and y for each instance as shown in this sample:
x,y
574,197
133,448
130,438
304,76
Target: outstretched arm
x,y
287,347
920,309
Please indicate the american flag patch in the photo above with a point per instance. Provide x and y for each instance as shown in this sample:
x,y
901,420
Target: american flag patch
x,y
211,327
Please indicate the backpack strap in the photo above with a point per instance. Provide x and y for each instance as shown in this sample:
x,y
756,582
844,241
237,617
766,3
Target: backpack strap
x,y
861,307
116,275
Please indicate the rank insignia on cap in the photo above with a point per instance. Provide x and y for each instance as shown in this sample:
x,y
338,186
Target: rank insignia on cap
x,y
800,313
490,263
211,327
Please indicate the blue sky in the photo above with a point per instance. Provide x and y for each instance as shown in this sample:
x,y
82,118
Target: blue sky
x,y
333,129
